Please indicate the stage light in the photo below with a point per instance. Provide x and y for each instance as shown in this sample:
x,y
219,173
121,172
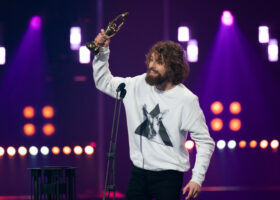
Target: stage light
x,y
216,124
80,78
48,129
75,38
235,108
263,144
263,34
2,151
217,107
36,22
11,151
2,55
189,144
242,144
44,150
227,18
48,112
235,124
274,144
192,51
253,144
78,150
89,150
221,144
28,112
84,55
66,150
33,151
29,129
183,34
93,144
273,50
55,150
22,151
231,144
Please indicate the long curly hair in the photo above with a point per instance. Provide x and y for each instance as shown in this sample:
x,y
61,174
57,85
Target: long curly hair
x,y
172,56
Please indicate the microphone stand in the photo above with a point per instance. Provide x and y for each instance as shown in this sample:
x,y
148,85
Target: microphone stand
x,y
110,185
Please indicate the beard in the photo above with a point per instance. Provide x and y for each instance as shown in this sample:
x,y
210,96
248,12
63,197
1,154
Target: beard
x,y
156,80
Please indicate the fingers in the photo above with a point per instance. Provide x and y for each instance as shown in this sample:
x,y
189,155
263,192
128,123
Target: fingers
x,y
106,37
193,191
102,39
186,188
190,194
195,195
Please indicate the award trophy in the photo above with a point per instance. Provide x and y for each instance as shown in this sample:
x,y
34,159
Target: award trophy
x,y
111,29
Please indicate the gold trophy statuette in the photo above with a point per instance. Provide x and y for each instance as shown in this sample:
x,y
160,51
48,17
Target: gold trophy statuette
x,y
111,29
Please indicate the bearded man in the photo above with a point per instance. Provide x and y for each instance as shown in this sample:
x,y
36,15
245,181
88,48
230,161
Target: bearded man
x,y
161,112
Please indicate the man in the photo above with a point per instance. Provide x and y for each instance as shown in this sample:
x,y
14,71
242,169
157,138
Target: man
x,y
160,113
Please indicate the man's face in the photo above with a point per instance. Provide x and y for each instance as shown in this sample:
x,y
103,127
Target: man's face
x,y
156,73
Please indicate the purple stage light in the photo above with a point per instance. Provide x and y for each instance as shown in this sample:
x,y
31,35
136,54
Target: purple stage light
x,y
36,22
183,34
84,55
263,34
2,55
273,50
192,51
227,18
75,38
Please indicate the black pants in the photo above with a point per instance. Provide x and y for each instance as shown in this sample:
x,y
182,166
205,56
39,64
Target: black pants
x,y
161,185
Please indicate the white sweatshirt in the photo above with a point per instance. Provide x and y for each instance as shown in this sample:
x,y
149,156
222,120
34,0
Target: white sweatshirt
x,y
158,122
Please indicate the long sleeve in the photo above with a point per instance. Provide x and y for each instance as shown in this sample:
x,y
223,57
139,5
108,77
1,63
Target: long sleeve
x,y
104,81
195,124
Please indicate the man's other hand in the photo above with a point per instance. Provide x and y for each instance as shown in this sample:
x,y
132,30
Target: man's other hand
x,y
193,188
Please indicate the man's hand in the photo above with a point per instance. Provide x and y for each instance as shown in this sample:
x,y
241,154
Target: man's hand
x,y
102,39
193,188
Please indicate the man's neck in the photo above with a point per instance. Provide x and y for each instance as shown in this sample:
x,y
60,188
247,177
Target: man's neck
x,y
165,86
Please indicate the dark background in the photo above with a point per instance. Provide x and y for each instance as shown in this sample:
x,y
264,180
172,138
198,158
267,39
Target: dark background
x,y
255,172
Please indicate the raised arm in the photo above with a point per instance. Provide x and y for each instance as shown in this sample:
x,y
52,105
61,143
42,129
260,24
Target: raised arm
x,y
104,80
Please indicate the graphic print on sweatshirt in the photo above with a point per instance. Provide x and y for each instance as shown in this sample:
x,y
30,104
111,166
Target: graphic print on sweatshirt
x,y
152,126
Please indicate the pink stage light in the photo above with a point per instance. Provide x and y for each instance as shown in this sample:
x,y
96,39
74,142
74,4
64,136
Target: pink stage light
x,y
80,78
273,50
183,34
36,22
75,38
2,55
192,51
263,34
227,18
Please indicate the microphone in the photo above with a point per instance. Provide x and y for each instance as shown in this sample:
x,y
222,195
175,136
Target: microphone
x,y
120,87
123,93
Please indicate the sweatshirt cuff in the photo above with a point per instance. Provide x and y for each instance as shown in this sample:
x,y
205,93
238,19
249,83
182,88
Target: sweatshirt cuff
x,y
103,54
104,50
196,180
